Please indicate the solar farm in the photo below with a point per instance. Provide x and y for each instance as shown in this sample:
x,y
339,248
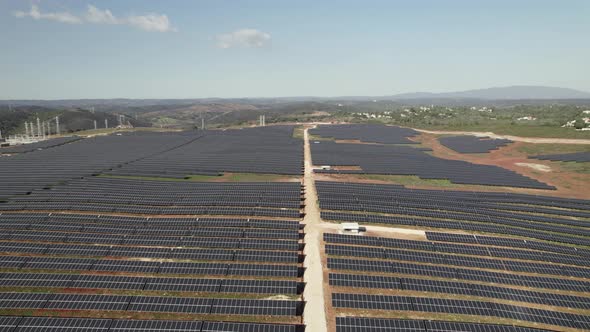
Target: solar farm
x,y
146,231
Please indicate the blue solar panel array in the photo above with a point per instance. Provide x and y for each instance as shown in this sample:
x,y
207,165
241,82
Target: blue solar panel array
x,y
407,160
368,133
473,144
542,281
579,157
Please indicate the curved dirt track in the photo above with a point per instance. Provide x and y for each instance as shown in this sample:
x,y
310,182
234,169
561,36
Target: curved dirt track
x,y
510,137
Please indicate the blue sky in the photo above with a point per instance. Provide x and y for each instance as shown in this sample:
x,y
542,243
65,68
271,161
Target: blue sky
x,y
53,49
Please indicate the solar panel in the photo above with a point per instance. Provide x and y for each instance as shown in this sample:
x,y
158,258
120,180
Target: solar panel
x,y
47,324
155,326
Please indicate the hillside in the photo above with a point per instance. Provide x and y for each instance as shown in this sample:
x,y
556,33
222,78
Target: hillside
x,y
502,93
71,120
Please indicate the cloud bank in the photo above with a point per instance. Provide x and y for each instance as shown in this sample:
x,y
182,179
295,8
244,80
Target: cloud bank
x,y
243,38
149,22
62,17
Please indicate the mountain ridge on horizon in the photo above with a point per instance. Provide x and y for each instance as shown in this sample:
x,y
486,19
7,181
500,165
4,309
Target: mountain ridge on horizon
x,y
514,92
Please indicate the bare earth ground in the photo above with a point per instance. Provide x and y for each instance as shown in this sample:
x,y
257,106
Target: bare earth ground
x,y
314,315
568,184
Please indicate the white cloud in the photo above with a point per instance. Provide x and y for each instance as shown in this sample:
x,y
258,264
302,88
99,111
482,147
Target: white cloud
x,y
151,22
244,38
94,15
62,17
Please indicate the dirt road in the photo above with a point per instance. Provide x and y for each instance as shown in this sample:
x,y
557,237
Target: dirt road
x,y
314,315
512,138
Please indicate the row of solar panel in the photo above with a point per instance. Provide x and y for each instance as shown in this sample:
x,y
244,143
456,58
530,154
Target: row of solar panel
x,y
462,307
339,201
160,203
457,224
151,267
475,250
362,324
180,210
185,195
487,216
95,251
107,183
148,221
133,230
427,195
445,272
23,148
161,241
457,260
459,288
472,144
580,157
507,242
185,305
193,285
55,324
366,133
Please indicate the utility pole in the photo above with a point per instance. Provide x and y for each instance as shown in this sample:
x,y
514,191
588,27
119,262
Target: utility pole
x,y
95,125
106,123
57,125
38,127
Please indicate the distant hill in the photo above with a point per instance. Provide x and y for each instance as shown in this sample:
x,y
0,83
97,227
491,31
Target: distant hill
x,y
502,93
71,120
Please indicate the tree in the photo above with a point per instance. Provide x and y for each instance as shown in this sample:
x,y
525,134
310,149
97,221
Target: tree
x,y
580,124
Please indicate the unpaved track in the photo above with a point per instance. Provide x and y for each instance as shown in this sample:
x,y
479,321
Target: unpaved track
x,y
314,315
512,138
